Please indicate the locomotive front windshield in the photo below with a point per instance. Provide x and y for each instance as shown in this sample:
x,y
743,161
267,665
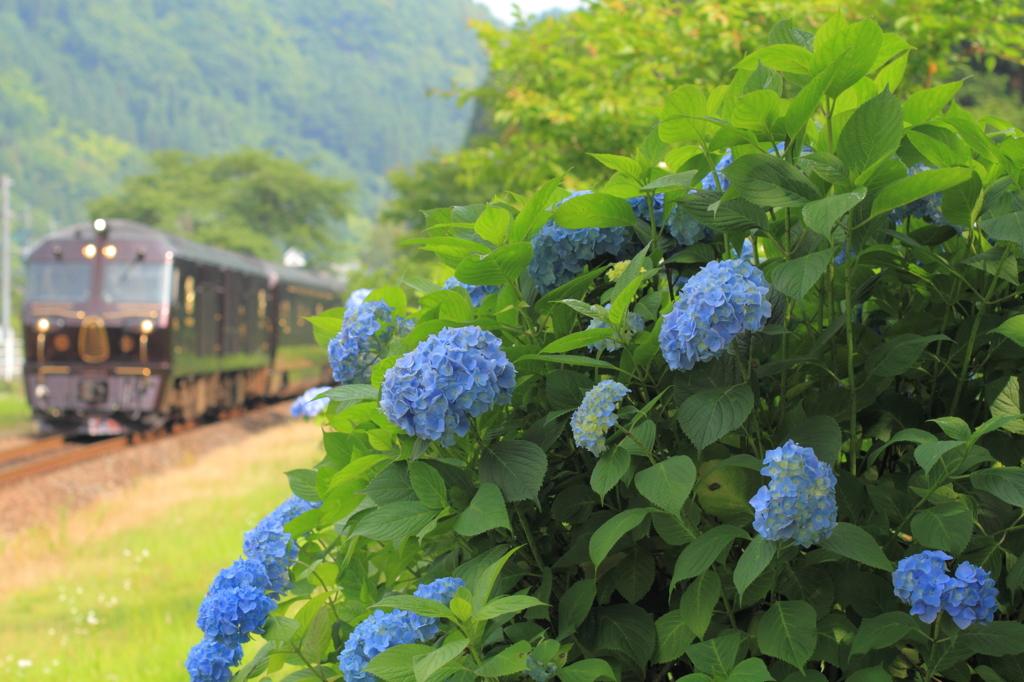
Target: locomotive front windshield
x,y
59,282
136,282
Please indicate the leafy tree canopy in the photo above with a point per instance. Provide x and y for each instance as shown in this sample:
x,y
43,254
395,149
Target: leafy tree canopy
x,y
249,201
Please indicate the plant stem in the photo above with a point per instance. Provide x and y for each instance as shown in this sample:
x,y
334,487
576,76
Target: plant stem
x,y
850,379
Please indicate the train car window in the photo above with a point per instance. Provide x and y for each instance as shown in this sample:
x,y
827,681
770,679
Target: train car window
x,y
136,282
175,286
64,282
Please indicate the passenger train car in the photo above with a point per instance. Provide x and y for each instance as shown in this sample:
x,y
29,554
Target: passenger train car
x,y
128,328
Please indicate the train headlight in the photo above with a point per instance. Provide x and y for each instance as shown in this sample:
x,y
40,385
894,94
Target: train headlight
x,y
146,326
109,251
42,325
99,224
89,250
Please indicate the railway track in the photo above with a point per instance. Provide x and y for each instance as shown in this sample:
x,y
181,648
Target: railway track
x,y
47,454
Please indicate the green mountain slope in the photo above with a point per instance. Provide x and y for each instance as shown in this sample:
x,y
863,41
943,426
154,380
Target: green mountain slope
x,y
88,86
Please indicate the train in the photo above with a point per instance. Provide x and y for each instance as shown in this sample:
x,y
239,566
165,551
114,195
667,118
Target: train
x,y
129,329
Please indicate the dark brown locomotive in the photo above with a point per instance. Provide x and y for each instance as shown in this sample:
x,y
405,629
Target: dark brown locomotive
x,y
128,327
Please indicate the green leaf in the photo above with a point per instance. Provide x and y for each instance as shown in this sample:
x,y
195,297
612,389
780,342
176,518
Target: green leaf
x,y
626,628
897,355
803,106
698,556
281,629
594,210
516,466
684,179
677,118
1001,638
767,180
578,340
875,674
1006,404
587,670
856,47
789,631
438,658
788,58
428,485
1008,227
750,670
396,664
394,521
953,427
753,561
484,582
796,277
699,601
493,224
946,527
510,604
914,187
882,631
673,636
853,542
576,360
622,164
872,134
927,454
393,296
451,305
485,512
574,606
716,656
501,266
609,470
708,415
303,484
820,433
510,660
534,213
667,483
822,215
420,605
1012,329
605,537
925,104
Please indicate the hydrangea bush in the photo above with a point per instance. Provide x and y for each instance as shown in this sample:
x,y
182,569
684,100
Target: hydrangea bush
x,y
612,449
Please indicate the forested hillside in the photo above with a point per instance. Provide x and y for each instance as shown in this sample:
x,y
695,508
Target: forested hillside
x,y
88,86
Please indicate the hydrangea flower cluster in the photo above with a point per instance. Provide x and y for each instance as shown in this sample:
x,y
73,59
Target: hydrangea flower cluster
x,y
800,501
381,631
928,208
477,292
458,373
237,603
921,581
366,331
559,254
717,304
634,324
308,405
269,543
211,661
356,298
596,414
538,671
681,226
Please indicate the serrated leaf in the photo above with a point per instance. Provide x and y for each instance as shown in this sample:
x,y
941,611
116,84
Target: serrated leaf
x,y
493,224
927,454
609,470
1001,638
420,605
394,521
396,664
578,340
914,187
925,104
679,117
667,483
822,215
750,670
755,558
499,267
508,661
574,606
428,485
1006,483
953,427
486,512
1012,329
587,670
897,355
510,604
882,631
517,467
605,537
708,415
872,134
822,434
789,631
594,210
698,556
947,527
796,277
1008,227
853,542
699,601
673,636
767,180
438,658
626,628
716,656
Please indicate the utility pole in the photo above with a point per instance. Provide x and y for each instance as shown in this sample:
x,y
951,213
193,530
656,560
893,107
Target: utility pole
x,y
5,276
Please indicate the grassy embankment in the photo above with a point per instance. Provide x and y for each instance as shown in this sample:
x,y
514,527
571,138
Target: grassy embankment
x,y
111,594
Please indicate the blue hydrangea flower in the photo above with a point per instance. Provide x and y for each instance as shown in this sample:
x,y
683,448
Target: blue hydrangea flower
x,y
746,251
683,228
920,581
538,671
269,544
477,292
308,405
356,298
236,604
928,208
717,304
843,252
708,181
559,254
800,501
970,597
211,661
366,331
381,631
458,373
634,324
596,414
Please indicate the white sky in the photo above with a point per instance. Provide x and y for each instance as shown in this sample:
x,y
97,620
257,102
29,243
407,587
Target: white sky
x,y
502,9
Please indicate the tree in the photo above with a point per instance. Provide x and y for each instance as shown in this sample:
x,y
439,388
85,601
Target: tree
x,y
249,201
